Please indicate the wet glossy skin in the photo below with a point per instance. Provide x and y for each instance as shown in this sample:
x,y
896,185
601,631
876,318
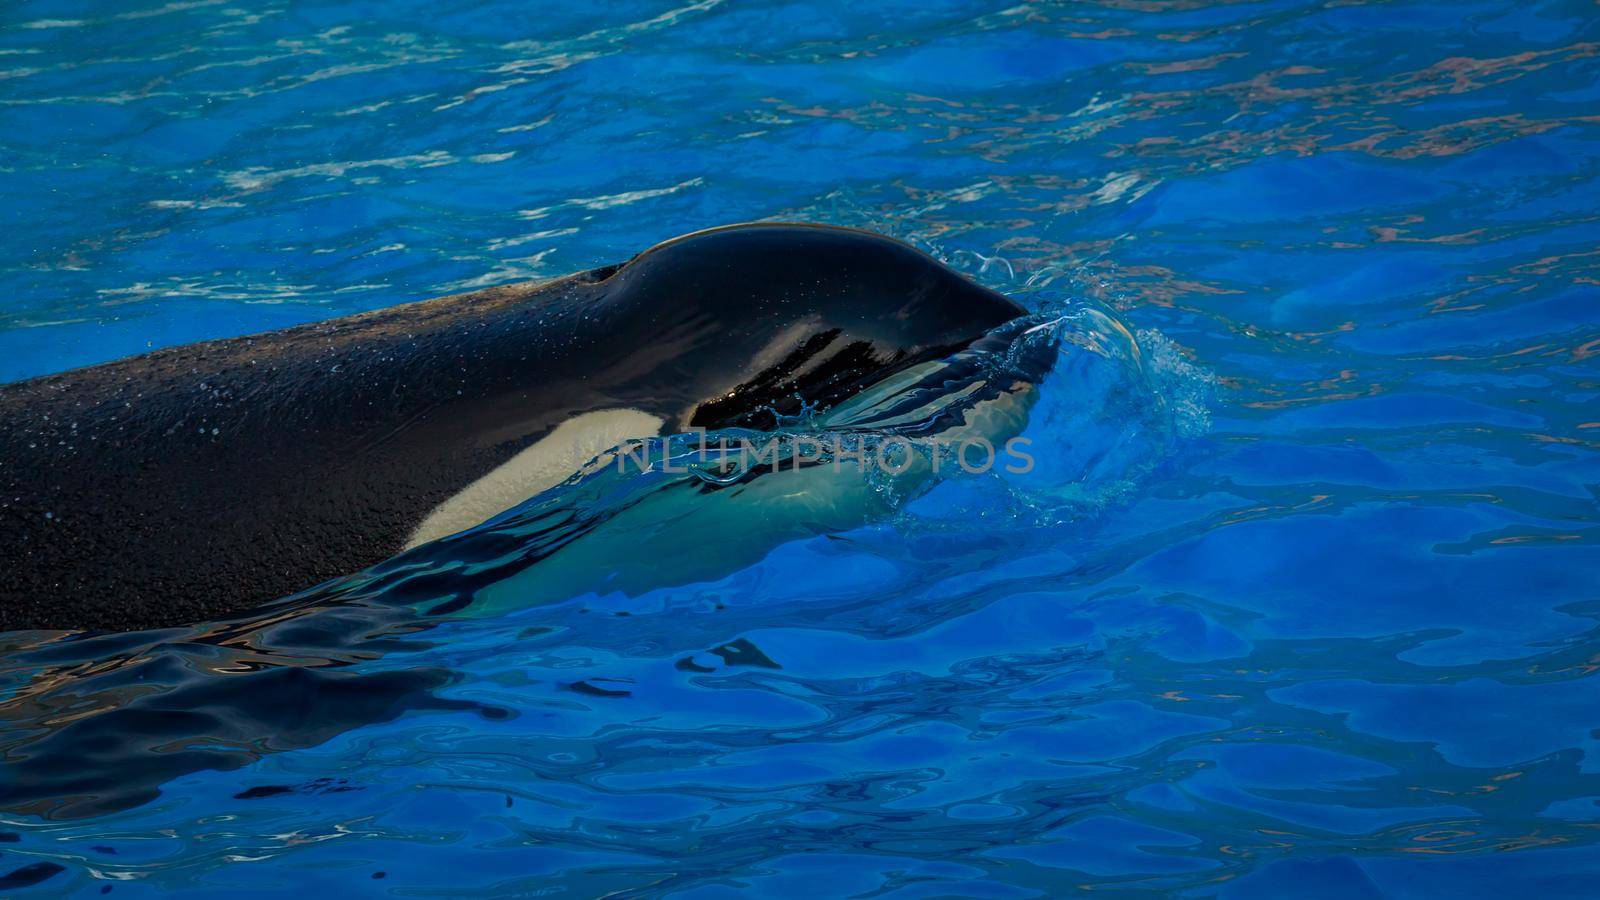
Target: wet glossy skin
x,y
200,480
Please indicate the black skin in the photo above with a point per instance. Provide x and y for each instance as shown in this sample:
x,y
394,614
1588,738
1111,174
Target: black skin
x,y
120,509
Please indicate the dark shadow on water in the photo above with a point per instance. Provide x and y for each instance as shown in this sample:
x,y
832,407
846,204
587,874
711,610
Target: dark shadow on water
x,y
103,725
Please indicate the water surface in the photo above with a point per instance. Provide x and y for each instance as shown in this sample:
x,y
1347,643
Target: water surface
x,y
1302,601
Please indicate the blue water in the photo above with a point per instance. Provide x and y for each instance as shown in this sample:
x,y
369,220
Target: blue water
x,y
1302,601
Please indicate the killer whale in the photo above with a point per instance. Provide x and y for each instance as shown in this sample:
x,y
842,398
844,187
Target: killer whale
x,y
200,480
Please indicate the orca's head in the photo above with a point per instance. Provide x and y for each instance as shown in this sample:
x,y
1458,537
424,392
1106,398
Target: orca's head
x,y
752,319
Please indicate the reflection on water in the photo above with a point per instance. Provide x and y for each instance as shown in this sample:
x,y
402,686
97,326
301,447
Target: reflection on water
x,y
1305,604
